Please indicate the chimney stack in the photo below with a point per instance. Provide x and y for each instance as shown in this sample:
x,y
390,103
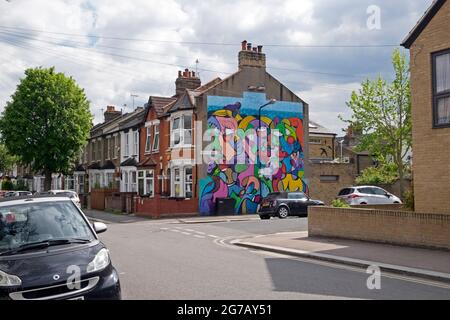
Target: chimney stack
x,y
251,56
186,80
111,113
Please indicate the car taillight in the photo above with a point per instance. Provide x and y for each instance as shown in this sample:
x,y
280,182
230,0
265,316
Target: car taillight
x,y
354,196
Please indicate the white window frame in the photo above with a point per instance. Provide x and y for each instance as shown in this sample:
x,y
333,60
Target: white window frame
x,y
148,141
181,130
188,183
143,175
135,143
155,144
127,145
108,150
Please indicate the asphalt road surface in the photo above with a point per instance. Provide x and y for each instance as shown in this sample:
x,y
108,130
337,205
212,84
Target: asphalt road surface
x,y
179,261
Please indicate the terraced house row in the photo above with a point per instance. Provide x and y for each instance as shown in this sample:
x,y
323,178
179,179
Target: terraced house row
x,y
154,160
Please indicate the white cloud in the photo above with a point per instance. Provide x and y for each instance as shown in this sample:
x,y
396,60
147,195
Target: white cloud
x,y
109,78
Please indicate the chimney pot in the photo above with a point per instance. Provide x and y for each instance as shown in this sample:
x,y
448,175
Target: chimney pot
x,y
255,49
260,49
180,74
244,45
249,46
193,74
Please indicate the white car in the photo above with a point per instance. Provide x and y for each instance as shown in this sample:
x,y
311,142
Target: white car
x,y
71,194
367,195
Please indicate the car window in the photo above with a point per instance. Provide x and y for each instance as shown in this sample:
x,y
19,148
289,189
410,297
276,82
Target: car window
x,y
345,192
35,222
297,196
366,190
378,191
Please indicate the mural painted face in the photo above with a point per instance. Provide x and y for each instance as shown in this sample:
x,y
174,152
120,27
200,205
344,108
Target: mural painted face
x,y
253,157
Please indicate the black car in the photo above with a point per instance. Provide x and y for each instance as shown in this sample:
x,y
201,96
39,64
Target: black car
x,y
285,204
50,251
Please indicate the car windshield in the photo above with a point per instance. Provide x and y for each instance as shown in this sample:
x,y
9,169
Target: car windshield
x,y
30,223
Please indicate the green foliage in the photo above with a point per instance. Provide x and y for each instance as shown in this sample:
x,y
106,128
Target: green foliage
x,y
21,186
409,200
7,161
7,186
338,203
383,174
47,122
382,112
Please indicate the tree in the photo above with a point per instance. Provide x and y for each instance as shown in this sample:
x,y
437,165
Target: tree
x,y
382,112
7,161
47,123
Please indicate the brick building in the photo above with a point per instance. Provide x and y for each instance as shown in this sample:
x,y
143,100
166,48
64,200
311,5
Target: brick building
x,y
183,175
429,44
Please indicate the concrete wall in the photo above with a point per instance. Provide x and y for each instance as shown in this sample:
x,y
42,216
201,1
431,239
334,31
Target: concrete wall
x,y
431,161
394,227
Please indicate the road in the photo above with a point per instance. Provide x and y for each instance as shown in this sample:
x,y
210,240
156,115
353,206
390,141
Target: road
x,y
184,261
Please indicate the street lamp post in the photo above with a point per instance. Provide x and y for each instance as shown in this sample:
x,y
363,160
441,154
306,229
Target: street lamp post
x,y
271,102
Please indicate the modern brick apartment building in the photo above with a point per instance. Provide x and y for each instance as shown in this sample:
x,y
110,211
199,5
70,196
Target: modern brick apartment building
x,y
429,44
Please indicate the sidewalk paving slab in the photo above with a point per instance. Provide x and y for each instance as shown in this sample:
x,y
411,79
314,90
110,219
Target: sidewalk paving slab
x,y
424,263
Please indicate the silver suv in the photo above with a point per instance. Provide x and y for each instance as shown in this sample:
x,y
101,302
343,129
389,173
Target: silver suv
x,y
367,195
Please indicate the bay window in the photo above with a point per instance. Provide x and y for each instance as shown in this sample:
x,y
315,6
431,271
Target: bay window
x,y
182,131
156,139
182,182
177,183
441,89
146,183
188,182
133,181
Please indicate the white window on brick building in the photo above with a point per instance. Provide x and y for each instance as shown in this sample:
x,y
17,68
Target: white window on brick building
x,y
441,89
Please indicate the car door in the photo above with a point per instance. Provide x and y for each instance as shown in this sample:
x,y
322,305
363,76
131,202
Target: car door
x,y
381,196
367,195
292,201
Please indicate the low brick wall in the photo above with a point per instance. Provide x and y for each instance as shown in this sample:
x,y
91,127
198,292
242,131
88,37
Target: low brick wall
x,y
160,207
390,207
98,197
394,227
120,201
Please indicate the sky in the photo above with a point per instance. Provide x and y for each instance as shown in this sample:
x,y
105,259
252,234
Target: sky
x,y
321,50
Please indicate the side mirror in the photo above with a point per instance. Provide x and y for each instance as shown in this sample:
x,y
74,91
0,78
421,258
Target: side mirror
x,y
388,195
100,227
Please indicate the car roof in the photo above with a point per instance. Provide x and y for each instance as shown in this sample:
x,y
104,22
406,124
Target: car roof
x,y
35,199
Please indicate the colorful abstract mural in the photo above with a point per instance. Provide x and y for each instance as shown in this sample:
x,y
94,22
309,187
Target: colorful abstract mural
x,y
253,157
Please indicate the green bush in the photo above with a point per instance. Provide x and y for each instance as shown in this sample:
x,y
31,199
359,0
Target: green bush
x,y
409,200
384,174
338,203
7,186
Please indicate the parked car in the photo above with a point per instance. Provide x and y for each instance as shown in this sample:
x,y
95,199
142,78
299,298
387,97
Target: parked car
x,y
11,194
367,195
285,204
71,194
49,250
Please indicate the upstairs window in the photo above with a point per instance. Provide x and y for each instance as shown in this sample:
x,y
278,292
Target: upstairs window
x,y
441,89
148,143
182,131
135,143
127,144
156,139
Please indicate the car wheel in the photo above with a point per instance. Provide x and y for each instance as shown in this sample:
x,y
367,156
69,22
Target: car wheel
x,y
264,217
283,213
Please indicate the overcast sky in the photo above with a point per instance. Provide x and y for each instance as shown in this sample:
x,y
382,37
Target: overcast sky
x,y
104,45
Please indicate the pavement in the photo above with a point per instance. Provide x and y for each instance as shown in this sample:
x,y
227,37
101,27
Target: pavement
x,y
417,262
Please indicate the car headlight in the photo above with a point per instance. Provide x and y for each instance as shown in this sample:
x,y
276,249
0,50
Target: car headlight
x,y
8,280
100,262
